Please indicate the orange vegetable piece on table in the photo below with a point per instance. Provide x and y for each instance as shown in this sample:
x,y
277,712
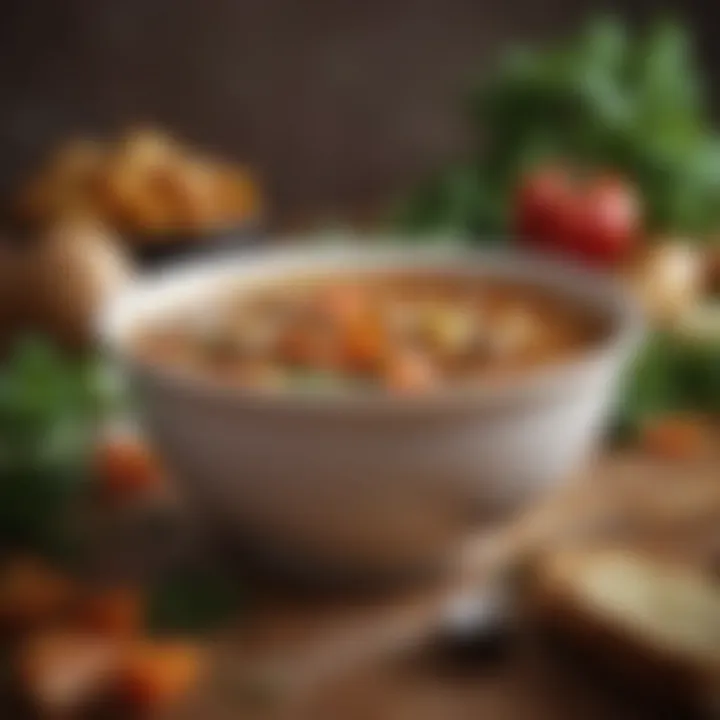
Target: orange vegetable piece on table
x,y
125,466
675,437
156,674
114,612
409,373
32,593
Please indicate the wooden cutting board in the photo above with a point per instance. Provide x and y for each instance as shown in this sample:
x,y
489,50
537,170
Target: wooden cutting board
x,y
313,658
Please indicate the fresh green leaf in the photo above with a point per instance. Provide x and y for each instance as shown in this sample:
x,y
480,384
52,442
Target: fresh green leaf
x,y
671,374
668,91
49,411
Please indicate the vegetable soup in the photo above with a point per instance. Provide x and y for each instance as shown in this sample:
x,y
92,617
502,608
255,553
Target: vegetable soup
x,y
404,333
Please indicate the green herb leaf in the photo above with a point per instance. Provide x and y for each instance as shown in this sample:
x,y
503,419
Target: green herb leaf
x,y
49,410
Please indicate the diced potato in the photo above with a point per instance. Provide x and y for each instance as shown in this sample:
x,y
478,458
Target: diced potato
x,y
157,674
450,330
342,304
32,594
409,373
514,332
63,672
401,318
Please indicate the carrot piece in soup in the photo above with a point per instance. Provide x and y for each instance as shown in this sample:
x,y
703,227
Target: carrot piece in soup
x,y
342,303
408,372
363,345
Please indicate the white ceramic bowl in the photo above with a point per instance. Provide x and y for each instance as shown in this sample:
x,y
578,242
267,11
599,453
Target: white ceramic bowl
x,y
372,483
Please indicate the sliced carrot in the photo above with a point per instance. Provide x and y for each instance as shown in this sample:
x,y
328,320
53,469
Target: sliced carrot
x,y
126,467
409,372
675,437
156,674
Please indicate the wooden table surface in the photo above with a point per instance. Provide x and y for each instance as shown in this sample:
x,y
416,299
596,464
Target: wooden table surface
x,y
371,658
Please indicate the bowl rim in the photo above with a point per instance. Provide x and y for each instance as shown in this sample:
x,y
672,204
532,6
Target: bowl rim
x,y
125,311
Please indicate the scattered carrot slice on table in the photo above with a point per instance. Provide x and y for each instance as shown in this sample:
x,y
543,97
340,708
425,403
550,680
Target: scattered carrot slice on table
x,y
156,674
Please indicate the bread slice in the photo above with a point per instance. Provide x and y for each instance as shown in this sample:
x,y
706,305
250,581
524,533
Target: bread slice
x,y
646,616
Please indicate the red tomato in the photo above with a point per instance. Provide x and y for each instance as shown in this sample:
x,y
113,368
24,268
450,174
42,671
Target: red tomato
x,y
606,221
544,200
596,219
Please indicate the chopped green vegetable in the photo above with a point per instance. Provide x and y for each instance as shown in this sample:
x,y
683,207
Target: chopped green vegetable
x,y
50,406
671,374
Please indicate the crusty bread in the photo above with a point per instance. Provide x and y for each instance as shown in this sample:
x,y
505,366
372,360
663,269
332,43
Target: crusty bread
x,y
645,616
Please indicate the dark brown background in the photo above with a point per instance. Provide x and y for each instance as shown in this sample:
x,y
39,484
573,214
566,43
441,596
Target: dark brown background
x,y
337,102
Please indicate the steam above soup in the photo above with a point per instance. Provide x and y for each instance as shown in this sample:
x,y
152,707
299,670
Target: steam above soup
x,y
404,333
